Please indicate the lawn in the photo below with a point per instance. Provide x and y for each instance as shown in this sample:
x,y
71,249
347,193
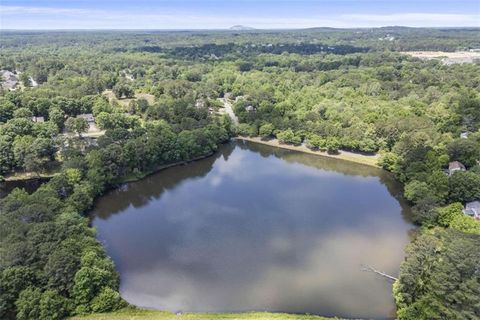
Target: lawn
x,y
139,314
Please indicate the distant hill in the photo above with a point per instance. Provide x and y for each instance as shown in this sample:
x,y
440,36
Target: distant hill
x,y
240,27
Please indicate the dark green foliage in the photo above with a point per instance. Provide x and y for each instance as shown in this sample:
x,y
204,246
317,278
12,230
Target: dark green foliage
x,y
467,151
464,187
107,300
439,278
28,304
76,125
47,305
13,281
288,136
123,90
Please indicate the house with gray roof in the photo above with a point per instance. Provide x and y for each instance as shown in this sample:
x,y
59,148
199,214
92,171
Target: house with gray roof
x,y
90,120
88,117
455,166
472,209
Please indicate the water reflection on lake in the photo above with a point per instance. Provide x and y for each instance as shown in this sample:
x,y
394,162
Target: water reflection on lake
x,y
257,228
29,185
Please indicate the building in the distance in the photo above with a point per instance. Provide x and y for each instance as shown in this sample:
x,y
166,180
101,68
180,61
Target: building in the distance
x,y
472,209
455,166
464,135
90,120
38,119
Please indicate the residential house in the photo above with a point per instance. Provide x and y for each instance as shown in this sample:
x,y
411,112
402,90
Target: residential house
x,y
472,209
464,135
90,120
38,119
455,166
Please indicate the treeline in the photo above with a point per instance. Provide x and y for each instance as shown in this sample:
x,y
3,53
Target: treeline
x,y
404,39
439,279
214,51
365,106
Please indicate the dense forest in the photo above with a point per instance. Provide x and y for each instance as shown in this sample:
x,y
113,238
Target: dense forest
x,y
154,97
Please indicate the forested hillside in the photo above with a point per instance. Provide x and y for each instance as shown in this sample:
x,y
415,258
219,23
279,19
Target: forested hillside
x,y
154,97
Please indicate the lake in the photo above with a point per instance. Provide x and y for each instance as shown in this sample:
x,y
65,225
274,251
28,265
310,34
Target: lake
x,y
258,228
29,185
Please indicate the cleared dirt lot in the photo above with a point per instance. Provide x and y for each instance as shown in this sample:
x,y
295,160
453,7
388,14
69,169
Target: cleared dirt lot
x,y
446,57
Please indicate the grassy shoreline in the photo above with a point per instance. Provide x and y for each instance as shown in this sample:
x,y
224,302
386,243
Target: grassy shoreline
x,y
142,314
23,176
369,160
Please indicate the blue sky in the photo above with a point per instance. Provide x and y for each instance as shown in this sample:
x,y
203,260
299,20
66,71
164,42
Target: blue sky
x,y
216,14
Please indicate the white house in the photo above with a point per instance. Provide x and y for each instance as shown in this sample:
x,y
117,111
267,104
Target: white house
x,y
38,119
464,135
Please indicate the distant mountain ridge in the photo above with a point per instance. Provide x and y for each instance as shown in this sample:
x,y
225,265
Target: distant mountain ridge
x,y
239,27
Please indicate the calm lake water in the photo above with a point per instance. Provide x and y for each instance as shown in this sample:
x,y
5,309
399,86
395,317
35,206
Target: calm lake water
x,y
258,228
28,185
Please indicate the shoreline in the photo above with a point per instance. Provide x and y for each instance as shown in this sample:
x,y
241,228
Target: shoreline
x,y
127,179
28,176
342,155
142,175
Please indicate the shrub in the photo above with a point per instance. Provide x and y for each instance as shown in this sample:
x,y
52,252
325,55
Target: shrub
x,y
287,136
107,300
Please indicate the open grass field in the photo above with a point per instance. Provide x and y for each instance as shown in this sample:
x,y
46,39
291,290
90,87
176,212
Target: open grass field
x,y
138,314
125,101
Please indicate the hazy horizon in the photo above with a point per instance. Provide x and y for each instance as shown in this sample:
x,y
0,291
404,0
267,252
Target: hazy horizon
x,y
221,15
230,28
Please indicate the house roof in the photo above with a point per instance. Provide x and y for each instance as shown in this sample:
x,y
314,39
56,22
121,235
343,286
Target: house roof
x,y
38,119
456,165
472,209
87,116
250,108
473,205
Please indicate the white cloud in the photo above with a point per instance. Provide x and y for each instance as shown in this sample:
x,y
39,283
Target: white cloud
x,y
31,17
42,10
414,19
